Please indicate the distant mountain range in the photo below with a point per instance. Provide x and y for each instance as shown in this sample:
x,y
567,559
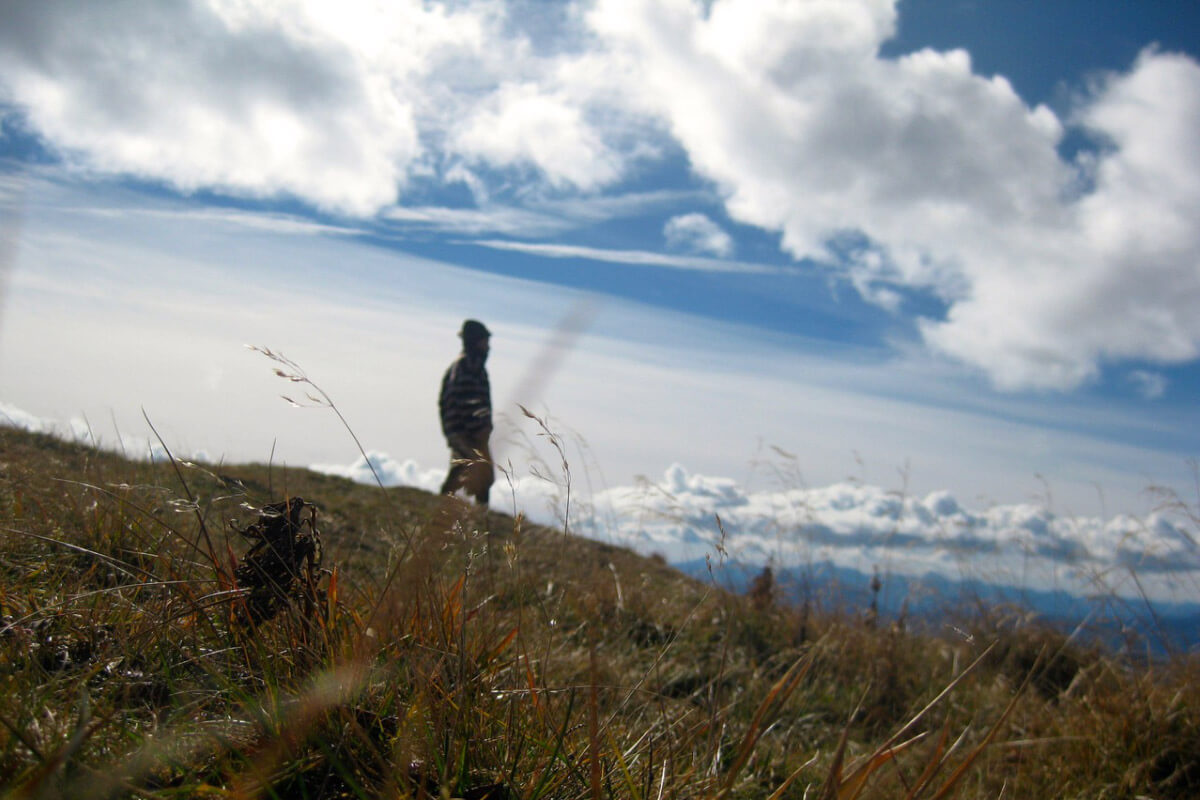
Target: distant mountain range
x,y
932,600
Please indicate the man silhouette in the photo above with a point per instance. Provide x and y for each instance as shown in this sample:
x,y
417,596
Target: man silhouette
x,y
465,403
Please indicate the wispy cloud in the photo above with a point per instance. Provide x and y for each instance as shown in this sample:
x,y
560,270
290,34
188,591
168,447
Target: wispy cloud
x,y
12,190
493,219
636,257
539,217
593,208
1150,385
254,220
697,233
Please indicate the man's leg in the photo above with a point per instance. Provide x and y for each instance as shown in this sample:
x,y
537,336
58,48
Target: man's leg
x,y
453,478
480,472
460,466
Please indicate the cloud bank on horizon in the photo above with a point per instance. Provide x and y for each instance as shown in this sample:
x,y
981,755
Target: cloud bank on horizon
x,y
685,516
908,176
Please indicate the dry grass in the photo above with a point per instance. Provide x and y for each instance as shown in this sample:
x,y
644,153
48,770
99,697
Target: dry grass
x,y
448,654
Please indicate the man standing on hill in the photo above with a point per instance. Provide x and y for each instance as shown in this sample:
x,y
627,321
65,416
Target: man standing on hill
x,y
465,403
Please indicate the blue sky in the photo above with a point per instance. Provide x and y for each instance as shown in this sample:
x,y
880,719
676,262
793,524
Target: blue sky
x,y
930,246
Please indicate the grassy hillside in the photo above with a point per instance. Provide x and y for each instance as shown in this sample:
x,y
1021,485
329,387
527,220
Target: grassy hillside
x,y
147,650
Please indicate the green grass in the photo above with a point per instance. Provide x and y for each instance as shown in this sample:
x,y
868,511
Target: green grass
x,y
444,654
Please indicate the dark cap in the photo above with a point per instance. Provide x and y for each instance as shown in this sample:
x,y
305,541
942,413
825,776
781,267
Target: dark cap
x,y
473,330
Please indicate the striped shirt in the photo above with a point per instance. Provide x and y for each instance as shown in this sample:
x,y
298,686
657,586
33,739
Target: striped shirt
x,y
466,398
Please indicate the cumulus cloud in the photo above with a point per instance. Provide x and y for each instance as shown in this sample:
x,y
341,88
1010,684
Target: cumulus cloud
x,y
697,233
1118,278
688,516
326,103
940,179
902,175
859,526
80,430
223,95
388,470
14,417
537,496
140,448
524,125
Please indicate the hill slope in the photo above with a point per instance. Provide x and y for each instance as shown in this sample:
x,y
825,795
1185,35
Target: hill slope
x,y
394,643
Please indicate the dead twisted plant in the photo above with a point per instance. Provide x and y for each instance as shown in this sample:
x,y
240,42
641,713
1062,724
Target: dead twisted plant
x,y
284,563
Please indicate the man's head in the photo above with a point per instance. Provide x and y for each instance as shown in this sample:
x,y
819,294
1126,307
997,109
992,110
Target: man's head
x,y
475,338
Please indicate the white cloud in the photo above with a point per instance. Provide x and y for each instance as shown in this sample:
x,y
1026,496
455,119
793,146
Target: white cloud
x,y
14,417
386,470
697,233
955,183
592,208
269,223
850,524
1119,279
1151,385
79,429
941,180
858,526
540,498
228,96
525,125
635,257
537,218
324,101
491,219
